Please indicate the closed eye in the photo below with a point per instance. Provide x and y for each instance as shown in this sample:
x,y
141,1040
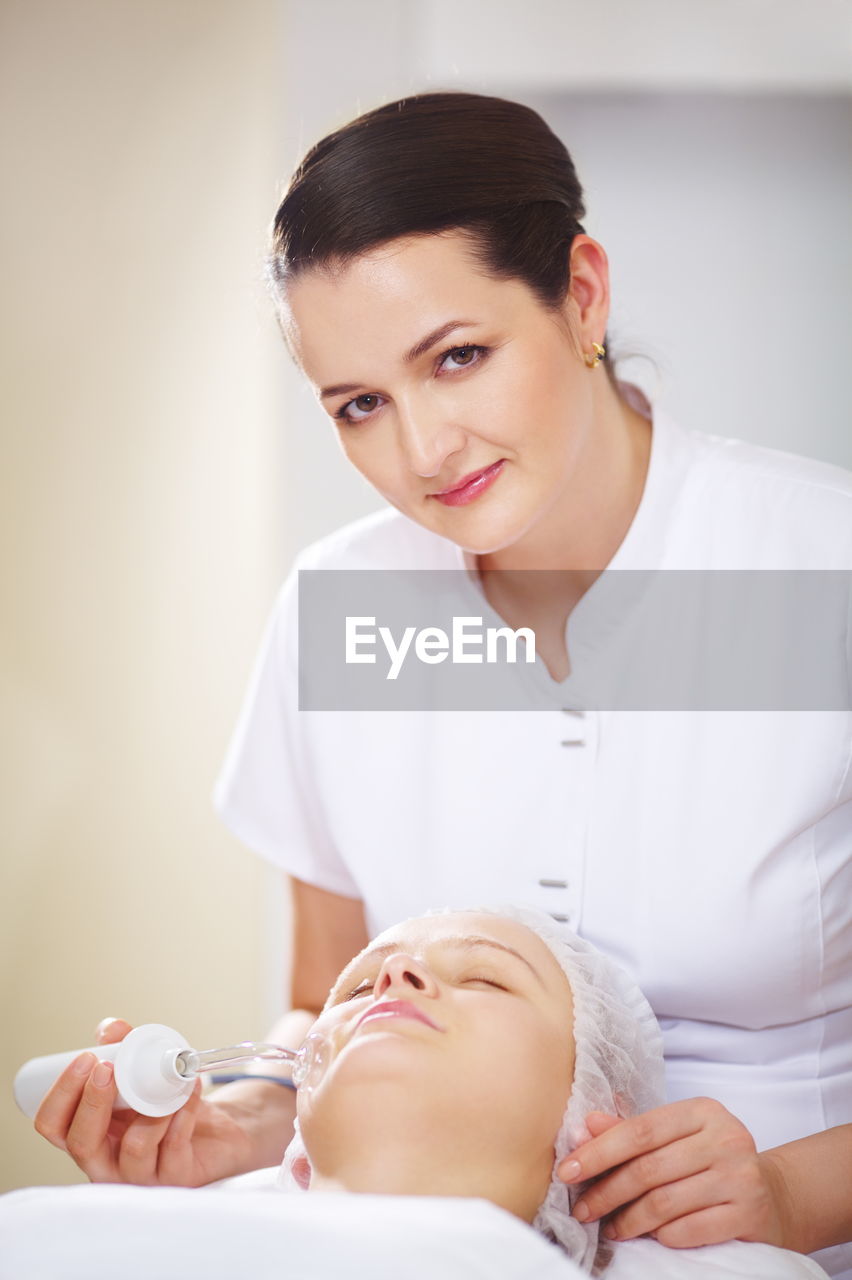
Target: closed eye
x,y
363,989
479,353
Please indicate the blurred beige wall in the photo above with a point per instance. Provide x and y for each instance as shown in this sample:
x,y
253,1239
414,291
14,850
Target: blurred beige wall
x,y
141,524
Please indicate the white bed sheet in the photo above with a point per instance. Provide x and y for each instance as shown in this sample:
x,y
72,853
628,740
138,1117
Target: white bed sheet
x,y
138,1233
250,1231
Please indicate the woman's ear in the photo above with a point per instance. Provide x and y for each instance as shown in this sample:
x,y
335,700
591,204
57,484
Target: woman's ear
x,y
588,289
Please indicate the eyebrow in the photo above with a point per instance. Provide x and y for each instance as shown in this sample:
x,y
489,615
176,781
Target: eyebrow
x,y
419,349
467,944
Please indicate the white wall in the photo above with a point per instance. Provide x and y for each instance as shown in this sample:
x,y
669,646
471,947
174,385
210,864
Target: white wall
x,y
751,46
726,220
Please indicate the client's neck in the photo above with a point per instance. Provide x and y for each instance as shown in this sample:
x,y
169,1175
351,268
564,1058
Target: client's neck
x,y
406,1171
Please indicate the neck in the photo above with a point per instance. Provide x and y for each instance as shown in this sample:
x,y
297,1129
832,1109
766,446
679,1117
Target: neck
x,y
398,1171
582,532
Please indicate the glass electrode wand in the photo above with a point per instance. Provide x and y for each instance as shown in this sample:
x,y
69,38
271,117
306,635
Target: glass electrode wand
x,y
192,1062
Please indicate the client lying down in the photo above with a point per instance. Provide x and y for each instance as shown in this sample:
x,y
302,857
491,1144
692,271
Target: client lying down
x,y
473,1027
461,1052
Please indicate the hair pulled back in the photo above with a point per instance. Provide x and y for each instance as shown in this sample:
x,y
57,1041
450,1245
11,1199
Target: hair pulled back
x,y
436,162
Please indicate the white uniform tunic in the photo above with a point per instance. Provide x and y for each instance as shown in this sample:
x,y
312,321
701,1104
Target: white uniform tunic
x,y
709,852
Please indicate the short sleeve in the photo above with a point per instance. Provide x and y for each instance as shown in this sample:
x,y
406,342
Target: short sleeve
x,y
265,792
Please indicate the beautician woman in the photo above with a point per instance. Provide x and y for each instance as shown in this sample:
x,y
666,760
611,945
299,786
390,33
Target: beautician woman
x,y
436,287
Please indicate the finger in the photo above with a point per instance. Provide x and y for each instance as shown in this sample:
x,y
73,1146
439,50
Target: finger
x,y
139,1150
652,1171
715,1225
111,1030
632,1137
666,1204
87,1134
598,1122
57,1107
176,1165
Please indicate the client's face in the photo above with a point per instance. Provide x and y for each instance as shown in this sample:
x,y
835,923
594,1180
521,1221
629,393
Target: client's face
x,y
450,1062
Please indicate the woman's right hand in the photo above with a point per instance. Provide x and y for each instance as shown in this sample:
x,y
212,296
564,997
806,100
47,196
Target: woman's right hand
x,y
198,1144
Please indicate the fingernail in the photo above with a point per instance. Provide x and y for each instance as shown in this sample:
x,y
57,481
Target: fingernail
x,y
103,1074
581,1211
83,1065
570,1171
610,1233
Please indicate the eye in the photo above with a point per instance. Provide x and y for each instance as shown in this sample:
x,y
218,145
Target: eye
x,y
343,415
361,990
489,982
475,354
463,358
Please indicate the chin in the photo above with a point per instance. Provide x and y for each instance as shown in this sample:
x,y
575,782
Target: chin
x,y
485,535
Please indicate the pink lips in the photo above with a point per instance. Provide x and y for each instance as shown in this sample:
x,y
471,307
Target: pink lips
x,y
471,486
396,1009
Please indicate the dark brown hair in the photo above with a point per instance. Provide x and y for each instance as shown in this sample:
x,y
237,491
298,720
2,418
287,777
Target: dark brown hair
x,y
436,162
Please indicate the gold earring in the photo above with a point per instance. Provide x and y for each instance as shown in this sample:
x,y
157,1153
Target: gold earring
x,y
594,360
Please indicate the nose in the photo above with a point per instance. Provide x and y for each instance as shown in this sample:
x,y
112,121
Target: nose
x,y
428,437
402,973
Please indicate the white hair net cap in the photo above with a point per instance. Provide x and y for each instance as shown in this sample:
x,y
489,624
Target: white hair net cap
x,y
618,1069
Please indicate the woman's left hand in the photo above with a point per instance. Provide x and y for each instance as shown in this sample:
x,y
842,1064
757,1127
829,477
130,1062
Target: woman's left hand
x,y
687,1173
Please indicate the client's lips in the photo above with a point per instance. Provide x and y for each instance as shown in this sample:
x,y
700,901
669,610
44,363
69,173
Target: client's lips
x,y
396,1009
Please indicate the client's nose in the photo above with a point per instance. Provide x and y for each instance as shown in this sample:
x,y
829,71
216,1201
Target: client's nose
x,y
403,973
